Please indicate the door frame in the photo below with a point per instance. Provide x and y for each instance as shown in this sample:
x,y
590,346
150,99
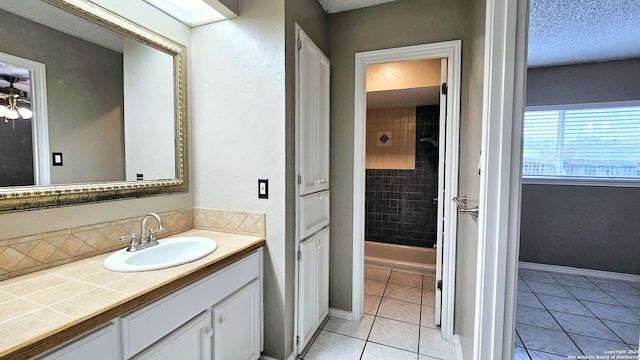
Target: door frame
x,y
39,121
452,51
505,66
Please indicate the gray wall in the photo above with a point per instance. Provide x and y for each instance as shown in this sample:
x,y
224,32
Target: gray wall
x,y
390,25
582,226
16,153
584,83
84,99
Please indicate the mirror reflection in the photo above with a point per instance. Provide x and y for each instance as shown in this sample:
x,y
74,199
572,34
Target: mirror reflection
x,y
16,149
107,104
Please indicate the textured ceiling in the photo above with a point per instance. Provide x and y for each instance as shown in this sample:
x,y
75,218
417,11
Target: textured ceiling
x,y
579,31
334,6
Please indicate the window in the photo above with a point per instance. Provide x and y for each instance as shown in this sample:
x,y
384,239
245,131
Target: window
x,y
597,143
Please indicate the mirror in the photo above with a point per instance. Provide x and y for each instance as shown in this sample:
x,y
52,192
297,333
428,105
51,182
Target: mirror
x,y
107,98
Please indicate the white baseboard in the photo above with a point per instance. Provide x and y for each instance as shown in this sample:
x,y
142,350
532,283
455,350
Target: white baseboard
x,y
456,342
291,357
579,271
342,314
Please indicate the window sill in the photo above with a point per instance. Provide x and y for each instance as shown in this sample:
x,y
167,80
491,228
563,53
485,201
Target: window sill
x,y
603,182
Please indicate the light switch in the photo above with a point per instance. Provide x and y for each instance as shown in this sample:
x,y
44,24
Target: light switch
x,y
263,188
57,158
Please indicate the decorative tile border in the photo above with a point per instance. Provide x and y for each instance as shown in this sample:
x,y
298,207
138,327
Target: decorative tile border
x,y
238,222
23,255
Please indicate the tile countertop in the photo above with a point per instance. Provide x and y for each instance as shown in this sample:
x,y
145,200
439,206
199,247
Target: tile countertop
x,y
41,310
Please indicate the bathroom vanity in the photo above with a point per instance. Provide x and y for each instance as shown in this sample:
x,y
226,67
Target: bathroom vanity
x,y
208,309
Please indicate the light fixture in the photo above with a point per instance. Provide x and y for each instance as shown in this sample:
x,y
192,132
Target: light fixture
x,y
190,12
15,103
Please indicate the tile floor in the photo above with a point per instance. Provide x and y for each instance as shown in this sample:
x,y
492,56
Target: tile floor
x,y
398,322
560,315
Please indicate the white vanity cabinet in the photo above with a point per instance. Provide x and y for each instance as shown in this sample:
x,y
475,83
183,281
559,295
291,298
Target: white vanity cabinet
x,y
217,317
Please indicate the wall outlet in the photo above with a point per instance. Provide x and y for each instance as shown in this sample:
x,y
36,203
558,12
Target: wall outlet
x,y
263,188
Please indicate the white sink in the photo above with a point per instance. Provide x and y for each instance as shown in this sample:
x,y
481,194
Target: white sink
x,y
168,253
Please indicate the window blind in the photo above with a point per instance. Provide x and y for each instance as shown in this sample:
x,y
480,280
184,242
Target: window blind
x,y
590,143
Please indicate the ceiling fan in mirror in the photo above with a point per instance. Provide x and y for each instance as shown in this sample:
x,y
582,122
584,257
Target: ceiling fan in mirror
x,y
14,103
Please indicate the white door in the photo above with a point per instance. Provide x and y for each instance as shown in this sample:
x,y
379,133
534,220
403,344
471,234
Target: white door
x,y
322,275
307,290
236,325
312,195
441,190
312,111
322,151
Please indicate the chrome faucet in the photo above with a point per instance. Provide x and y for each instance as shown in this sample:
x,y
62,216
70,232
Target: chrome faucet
x,y
144,240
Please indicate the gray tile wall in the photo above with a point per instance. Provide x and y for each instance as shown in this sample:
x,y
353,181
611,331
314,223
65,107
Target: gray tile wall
x,y
399,203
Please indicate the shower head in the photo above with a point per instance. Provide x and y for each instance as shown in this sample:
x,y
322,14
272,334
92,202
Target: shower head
x,y
430,141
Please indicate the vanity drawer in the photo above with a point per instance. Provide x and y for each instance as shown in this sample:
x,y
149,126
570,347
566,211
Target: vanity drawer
x,y
149,324
314,213
101,344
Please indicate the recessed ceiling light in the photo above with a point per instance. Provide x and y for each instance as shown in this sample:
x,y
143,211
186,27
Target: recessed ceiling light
x,y
190,12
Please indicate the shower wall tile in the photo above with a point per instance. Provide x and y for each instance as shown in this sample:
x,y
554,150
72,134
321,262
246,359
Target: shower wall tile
x,y
391,137
399,203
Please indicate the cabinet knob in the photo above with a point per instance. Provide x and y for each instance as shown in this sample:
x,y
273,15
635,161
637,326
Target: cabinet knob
x,y
222,320
208,332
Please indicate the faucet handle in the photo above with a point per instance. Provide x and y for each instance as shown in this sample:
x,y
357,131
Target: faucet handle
x,y
153,232
130,237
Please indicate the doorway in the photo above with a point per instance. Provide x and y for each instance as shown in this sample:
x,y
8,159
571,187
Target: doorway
x,y
578,278
498,242
448,162
27,78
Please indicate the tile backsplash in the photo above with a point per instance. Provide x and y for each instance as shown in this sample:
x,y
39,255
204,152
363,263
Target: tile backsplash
x,y
27,254
237,222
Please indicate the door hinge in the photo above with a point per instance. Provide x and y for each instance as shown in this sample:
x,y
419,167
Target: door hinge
x,y
439,285
299,44
299,255
297,340
299,179
444,88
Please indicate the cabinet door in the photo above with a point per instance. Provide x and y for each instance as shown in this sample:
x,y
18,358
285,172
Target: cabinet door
x,y
236,325
190,341
322,309
307,290
308,115
101,344
322,148
312,111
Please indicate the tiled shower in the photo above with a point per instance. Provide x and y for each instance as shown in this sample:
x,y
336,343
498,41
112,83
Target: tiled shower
x,y
402,176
